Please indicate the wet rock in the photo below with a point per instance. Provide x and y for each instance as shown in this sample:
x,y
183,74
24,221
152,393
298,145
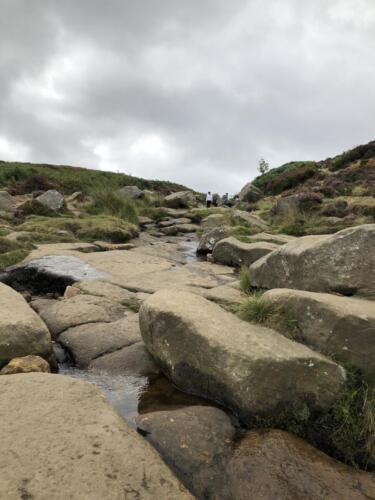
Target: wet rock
x,y
277,465
111,292
52,199
22,332
250,193
340,326
88,342
7,202
81,443
249,220
182,199
254,372
133,360
131,192
59,315
342,263
194,441
233,252
52,272
186,228
210,237
26,364
169,231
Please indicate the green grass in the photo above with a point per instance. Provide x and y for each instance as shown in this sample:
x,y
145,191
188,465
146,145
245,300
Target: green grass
x,y
107,201
12,252
105,228
73,179
244,279
277,180
255,309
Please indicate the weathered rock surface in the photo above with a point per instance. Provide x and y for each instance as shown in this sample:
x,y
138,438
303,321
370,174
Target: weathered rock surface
x,y
210,237
214,220
233,252
250,193
22,332
193,441
7,202
59,315
250,220
343,263
186,228
52,272
182,199
304,201
111,292
88,342
131,192
132,360
52,199
26,364
277,465
339,326
60,440
253,370
278,239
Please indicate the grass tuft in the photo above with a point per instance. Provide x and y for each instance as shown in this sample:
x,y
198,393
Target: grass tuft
x,y
244,279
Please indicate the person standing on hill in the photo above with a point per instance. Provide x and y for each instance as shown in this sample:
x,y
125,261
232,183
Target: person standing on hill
x,y
209,199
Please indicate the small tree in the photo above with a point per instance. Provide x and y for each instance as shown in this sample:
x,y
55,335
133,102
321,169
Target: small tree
x,y
263,166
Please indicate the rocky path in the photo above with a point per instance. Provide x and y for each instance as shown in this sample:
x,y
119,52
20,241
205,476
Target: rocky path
x,y
129,317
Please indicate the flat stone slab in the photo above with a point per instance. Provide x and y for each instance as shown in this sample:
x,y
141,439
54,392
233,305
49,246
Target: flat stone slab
x,y
60,315
253,370
60,439
334,325
22,332
233,252
88,342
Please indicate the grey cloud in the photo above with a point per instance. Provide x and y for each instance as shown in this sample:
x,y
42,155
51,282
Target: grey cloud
x,y
194,92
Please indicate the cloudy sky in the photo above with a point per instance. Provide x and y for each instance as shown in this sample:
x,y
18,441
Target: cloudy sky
x,y
191,91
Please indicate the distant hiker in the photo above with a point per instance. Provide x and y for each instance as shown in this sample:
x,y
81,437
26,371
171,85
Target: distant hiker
x,y
209,199
225,199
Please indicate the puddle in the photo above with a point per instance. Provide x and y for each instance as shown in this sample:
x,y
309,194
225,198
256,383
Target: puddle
x,y
132,396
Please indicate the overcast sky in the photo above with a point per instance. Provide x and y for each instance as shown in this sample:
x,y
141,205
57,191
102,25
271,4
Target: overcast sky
x,y
194,91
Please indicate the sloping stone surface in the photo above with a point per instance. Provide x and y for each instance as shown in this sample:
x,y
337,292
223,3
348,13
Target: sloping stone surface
x,y
233,252
60,440
193,441
249,219
274,464
210,237
253,370
181,199
52,199
343,263
250,193
339,326
22,332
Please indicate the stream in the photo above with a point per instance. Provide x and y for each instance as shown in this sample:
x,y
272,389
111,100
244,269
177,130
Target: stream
x,y
135,395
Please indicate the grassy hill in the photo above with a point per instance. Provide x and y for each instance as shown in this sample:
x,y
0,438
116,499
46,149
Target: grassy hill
x,y
17,177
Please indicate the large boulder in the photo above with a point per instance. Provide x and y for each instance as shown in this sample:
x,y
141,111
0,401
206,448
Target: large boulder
x,y
210,237
22,332
131,192
59,315
233,252
272,464
60,439
52,199
181,199
339,326
304,202
194,441
214,220
250,220
253,370
342,263
7,202
250,193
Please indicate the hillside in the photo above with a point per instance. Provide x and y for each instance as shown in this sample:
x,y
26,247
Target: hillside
x,y
307,197
21,178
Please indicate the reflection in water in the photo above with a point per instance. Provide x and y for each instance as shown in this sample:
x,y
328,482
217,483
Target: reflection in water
x,y
132,396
